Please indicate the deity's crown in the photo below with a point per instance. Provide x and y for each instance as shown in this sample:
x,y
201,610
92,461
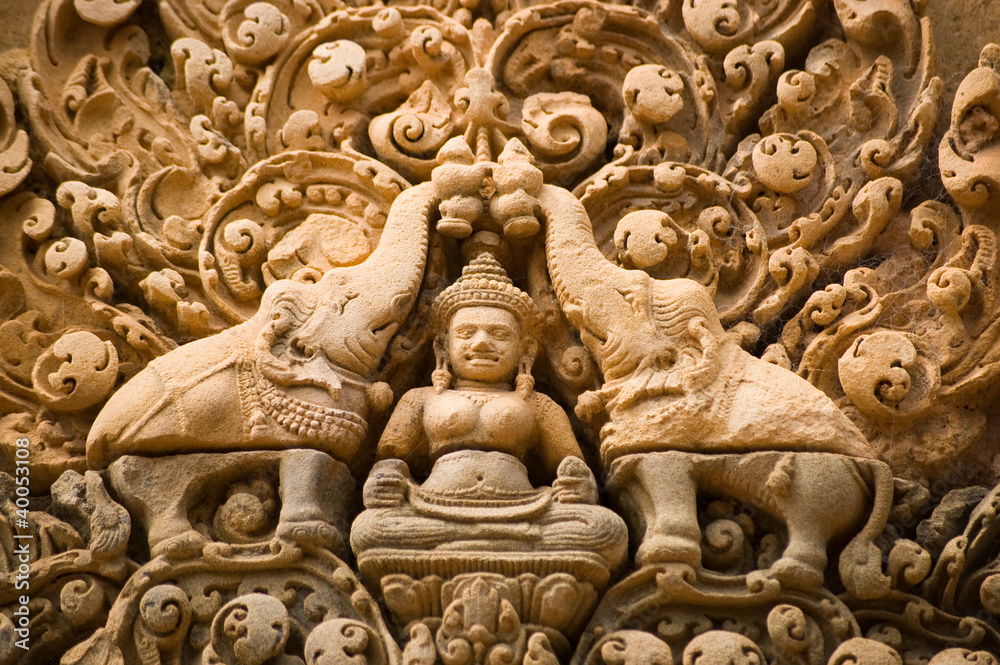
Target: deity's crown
x,y
484,283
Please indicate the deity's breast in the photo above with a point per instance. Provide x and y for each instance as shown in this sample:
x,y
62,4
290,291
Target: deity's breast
x,y
499,421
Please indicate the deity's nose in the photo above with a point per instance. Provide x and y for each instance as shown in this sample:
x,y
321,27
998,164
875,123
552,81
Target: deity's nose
x,y
481,340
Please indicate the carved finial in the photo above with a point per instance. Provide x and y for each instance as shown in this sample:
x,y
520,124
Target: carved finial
x,y
990,57
456,151
486,266
485,111
458,180
515,153
338,69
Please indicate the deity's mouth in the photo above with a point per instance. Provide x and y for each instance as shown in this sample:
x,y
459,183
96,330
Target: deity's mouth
x,y
482,357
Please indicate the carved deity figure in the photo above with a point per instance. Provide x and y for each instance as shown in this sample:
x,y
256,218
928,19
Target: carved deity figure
x,y
686,410
478,431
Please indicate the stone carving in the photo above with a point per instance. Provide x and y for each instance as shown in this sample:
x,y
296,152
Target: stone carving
x,y
299,373
72,562
686,410
684,263
209,611
477,511
474,435
295,496
856,327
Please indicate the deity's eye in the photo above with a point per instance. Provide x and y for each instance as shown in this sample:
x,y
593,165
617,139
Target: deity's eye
x,y
500,334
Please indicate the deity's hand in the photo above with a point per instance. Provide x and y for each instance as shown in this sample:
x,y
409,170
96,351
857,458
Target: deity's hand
x,y
387,484
574,482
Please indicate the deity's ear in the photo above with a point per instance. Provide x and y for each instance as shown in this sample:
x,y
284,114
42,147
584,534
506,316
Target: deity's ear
x,y
441,349
441,376
529,349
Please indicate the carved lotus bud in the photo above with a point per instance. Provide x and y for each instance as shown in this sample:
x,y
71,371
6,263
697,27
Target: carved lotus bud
x,y
795,90
344,642
859,650
634,647
722,647
644,238
250,630
784,162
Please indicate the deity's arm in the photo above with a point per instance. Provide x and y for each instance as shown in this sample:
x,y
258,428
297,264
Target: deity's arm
x,y
556,439
404,437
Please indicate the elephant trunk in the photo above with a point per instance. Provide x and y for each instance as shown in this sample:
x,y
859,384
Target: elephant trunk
x,y
591,289
396,267
579,271
382,290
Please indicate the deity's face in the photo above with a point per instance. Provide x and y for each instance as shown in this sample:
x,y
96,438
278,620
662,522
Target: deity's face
x,y
484,344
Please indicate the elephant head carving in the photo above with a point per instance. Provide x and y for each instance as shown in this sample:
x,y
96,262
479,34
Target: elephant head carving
x,y
299,373
673,378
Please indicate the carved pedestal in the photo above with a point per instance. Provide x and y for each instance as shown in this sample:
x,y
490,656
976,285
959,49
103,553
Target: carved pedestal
x,y
248,605
242,571
669,613
487,569
480,618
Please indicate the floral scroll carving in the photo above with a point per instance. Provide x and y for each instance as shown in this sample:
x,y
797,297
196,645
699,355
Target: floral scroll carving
x,y
506,333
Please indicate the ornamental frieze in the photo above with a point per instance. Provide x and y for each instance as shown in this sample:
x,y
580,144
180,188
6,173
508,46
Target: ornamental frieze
x,y
497,333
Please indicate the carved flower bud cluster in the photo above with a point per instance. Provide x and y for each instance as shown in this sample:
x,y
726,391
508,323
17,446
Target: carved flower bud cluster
x,y
458,180
517,182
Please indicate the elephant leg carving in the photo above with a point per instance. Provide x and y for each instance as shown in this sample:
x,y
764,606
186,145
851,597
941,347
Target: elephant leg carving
x,y
818,496
802,563
313,488
162,506
661,489
817,482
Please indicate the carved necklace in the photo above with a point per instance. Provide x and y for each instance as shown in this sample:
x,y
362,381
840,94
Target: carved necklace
x,y
312,421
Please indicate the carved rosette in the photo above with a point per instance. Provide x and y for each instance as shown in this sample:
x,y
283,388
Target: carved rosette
x,y
224,225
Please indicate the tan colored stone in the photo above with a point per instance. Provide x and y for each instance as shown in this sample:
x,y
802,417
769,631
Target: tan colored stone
x,y
296,496
477,512
298,374
712,230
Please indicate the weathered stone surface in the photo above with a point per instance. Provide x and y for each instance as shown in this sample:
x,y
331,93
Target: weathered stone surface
x,y
508,333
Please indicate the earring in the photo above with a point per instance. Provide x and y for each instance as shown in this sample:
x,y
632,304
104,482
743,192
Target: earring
x,y
441,376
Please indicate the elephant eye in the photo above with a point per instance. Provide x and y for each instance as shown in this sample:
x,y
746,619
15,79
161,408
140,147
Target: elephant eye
x,y
298,348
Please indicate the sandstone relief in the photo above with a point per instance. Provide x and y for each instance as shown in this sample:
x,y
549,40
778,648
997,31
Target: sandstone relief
x,y
507,333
